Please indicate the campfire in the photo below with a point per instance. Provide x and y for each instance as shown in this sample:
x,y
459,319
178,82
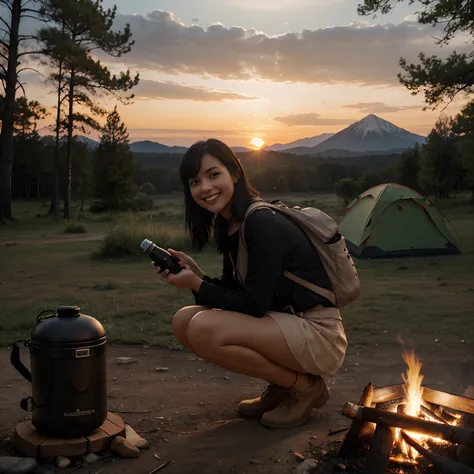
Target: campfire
x,y
410,426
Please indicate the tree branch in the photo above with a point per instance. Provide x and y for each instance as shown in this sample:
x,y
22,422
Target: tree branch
x,y
29,16
29,10
6,24
7,5
31,69
5,45
29,52
20,86
3,56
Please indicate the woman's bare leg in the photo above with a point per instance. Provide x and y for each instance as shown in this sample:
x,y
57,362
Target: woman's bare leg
x,y
247,345
181,321
257,348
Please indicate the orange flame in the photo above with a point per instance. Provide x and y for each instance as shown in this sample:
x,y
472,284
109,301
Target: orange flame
x,y
413,401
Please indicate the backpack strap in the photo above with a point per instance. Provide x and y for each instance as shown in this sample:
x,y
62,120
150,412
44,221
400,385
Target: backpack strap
x,y
328,294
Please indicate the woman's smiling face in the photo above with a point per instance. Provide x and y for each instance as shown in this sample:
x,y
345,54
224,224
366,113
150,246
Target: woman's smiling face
x,y
213,187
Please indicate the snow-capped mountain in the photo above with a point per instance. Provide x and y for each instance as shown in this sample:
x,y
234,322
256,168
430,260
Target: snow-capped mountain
x,y
305,142
370,134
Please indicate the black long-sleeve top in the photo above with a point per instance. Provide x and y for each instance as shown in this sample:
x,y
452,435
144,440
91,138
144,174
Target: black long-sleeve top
x,y
274,244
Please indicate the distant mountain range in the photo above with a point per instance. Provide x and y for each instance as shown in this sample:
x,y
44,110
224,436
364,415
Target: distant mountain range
x,y
371,135
147,146
302,142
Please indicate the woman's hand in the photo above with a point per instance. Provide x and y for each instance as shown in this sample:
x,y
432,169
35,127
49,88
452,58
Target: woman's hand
x,y
187,260
186,278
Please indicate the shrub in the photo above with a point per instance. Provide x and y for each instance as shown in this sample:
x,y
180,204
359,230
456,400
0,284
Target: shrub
x,y
147,188
99,206
346,188
142,202
125,239
75,228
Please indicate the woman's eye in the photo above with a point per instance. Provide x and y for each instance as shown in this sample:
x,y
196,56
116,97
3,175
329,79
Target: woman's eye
x,y
193,183
214,175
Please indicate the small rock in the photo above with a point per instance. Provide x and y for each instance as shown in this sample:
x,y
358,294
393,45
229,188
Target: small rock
x,y
124,448
162,369
62,462
254,461
17,465
297,455
134,438
306,467
126,360
91,458
341,467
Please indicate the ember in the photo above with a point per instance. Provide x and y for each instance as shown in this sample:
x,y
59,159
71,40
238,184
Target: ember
x,y
408,425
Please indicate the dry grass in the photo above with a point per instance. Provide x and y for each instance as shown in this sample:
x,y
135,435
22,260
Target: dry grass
x,y
417,299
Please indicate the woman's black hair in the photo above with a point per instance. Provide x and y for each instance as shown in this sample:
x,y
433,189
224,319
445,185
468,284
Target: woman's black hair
x,y
200,221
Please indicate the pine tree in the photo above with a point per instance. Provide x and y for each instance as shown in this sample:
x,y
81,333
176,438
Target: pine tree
x,y
439,80
79,28
465,128
114,166
11,53
440,170
408,167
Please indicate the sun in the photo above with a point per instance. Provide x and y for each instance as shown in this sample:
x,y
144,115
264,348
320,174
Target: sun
x,y
257,142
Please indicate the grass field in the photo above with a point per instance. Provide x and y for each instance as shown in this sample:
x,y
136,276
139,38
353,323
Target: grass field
x,y
417,299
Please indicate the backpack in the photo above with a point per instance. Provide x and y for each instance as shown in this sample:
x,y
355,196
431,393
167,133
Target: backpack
x,y
323,233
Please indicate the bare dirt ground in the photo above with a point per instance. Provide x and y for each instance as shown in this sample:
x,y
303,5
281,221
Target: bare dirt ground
x,y
188,413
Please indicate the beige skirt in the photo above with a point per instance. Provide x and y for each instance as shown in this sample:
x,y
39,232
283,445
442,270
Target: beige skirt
x,y
316,338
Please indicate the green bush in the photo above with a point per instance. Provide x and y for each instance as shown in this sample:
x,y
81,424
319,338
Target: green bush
x,y
147,188
124,240
75,228
142,202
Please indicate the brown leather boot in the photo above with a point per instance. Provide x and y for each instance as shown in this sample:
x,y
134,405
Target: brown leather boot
x,y
269,400
295,406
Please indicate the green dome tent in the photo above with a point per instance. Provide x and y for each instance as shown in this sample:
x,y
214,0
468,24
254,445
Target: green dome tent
x,y
391,220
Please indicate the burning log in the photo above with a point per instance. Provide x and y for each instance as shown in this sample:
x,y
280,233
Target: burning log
x,y
388,394
402,463
430,414
444,465
359,429
380,449
455,434
455,402
389,404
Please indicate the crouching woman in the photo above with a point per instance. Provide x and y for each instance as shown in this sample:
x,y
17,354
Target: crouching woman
x,y
269,326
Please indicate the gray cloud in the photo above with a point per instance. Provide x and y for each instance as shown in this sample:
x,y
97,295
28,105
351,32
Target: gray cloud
x,y
310,119
147,89
357,53
380,107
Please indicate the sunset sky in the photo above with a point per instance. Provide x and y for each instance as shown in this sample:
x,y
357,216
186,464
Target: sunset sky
x,y
278,70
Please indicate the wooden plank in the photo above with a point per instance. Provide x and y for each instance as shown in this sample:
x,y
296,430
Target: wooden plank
x,y
455,402
388,393
112,429
116,420
27,439
441,463
454,434
359,430
380,449
99,440
63,447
